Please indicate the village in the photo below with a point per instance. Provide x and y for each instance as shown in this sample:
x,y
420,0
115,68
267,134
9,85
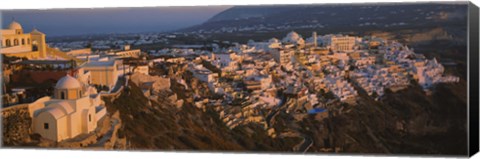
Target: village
x,y
243,83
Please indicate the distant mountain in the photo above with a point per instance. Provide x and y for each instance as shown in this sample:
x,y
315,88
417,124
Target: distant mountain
x,y
83,21
339,16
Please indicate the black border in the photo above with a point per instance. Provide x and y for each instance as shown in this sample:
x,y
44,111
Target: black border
x,y
473,80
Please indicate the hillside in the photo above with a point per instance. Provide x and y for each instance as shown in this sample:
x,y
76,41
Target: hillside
x,y
334,16
401,123
186,128
405,122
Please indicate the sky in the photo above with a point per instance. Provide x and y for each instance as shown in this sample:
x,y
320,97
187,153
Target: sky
x,y
60,22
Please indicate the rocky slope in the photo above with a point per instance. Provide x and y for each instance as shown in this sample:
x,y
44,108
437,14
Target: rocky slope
x,y
160,125
404,122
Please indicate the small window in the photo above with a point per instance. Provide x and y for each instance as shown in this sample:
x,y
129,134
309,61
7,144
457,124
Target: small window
x,y
89,117
62,95
45,125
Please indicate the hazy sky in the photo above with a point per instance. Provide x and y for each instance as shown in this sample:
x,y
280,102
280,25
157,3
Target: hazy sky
x,y
110,20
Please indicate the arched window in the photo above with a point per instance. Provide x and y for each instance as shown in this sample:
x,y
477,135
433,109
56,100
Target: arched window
x,y
15,42
23,41
62,95
28,41
89,117
8,43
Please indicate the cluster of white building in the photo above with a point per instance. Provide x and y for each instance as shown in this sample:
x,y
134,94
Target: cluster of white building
x,y
339,87
430,72
336,63
250,76
426,72
375,79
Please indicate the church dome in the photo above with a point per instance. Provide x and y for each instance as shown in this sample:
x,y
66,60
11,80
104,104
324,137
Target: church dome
x,y
68,82
292,37
273,40
15,25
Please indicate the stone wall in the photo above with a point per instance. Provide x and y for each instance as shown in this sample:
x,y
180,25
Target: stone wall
x,y
16,122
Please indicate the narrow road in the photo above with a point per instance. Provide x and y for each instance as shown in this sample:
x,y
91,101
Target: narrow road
x,y
274,111
308,142
304,145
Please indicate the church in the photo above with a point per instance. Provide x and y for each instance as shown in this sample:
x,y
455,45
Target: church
x,y
33,46
14,42
74,109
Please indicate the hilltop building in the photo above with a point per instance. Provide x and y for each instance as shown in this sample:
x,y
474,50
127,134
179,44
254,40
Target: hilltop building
x,y
342,43
14,42
282,56
74,109
223,59
294,38
104,73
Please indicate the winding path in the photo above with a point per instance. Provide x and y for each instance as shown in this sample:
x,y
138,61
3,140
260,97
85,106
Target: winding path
x,y
107,135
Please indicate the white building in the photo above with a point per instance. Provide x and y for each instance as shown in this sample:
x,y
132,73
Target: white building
x,y
223,59
282,56
294,38
342,43
103,72
432,73
74,109
202,73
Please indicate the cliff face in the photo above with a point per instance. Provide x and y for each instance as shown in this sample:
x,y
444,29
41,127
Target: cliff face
x,y
404,122
16,123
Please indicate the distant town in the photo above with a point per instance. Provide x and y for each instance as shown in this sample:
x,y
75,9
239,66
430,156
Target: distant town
x,y
60,94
